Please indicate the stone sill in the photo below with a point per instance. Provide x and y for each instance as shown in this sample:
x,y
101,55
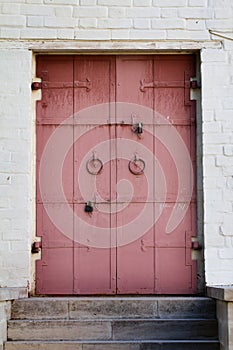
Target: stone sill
x,y
13,293
224,293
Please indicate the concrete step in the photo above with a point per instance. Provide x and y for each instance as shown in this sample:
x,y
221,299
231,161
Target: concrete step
x,y
128,329
113,308
107,345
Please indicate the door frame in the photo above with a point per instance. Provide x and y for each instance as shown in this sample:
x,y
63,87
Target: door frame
x,y
195,94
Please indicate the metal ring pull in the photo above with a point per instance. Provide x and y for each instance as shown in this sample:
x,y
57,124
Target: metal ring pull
x,y
94,165
137,166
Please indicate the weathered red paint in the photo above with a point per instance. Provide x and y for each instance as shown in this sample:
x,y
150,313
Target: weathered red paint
x,y
157,262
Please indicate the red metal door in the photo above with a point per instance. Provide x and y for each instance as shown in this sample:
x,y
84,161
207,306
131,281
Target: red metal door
x,y
111,134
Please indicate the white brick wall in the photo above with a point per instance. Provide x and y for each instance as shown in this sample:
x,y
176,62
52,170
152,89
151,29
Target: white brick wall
x,y
15,165
170,24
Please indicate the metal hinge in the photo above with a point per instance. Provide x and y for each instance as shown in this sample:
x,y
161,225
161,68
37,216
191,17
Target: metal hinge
x,y
36,85
196,245
36,247
194,84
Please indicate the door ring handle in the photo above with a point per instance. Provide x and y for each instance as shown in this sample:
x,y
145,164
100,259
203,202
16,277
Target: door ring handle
x,y
94,166
137,166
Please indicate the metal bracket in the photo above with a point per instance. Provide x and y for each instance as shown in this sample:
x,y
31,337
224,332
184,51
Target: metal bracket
x,y
83,84
36,85
196,245
194,84
36,247
160,84
146,244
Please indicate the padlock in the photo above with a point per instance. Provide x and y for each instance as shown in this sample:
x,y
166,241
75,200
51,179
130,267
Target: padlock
x,y
88,207
139,128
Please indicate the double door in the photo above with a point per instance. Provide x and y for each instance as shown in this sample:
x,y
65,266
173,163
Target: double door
x,y
115,175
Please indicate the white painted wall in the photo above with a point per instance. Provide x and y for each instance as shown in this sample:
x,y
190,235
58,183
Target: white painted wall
x,y
69,25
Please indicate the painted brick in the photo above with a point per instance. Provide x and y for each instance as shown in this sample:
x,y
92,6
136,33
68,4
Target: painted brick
x,y
212,127
64,11
197,3
168,23
219,24
228,150
38,33
142,12
221,3
91,12
198,13
65,34
92,34
60,22
9,33
142,2
20,246
195,24
62,2
142,23
87,2
169,12
88,23
12,9
4,246
211,55
114,2
12,21
228,103
34,1
35,21
223,12
224,161
184,34
217,139
119,34
145,34
116,12
35,10
208,115
170,3
213,149
115,23
230,182
5,179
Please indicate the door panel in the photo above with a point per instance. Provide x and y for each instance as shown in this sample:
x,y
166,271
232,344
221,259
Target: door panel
x,y
93,107
55,271
52,167
57,80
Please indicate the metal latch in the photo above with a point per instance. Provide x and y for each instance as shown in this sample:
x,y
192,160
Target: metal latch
x,y
36,246
36,85
196,245
194,84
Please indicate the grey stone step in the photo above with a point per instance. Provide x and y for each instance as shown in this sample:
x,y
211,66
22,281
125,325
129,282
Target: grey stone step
x,y
113,308
142,329
142,345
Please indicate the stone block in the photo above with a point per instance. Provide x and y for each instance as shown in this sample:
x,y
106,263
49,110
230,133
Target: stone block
x,y
165,329
183,308
113,308
38,308
59,330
